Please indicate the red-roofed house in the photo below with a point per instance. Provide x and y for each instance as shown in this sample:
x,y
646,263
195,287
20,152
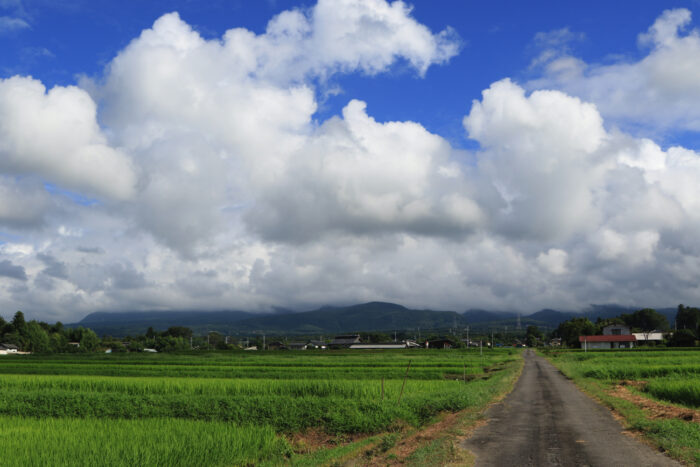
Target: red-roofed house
x,y
607,342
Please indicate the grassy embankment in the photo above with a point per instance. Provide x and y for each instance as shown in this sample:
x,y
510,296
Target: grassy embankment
x,y
657,392
230,409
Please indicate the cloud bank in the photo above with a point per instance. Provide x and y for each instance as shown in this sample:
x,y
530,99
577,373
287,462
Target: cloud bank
x,y
658,93
194,174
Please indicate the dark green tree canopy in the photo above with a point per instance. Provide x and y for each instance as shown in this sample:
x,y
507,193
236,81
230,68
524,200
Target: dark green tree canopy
x,y
19,324
646,319
682,338
688,318
533,336
571,329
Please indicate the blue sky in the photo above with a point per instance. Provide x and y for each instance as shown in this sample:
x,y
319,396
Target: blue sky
x,y
65,39
257,154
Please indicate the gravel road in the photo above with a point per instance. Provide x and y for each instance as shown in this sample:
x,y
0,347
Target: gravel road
x,y
547,421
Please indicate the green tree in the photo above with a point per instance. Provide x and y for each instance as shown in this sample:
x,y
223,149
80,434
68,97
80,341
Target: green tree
x,y
38,338
570,330
178,331
89,342
647,320
682,338
19,324
377,338
15,339
58,342
533,336
169,343
688,318
216,340
58,327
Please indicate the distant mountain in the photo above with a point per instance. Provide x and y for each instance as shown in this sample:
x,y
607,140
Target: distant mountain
x,y
552,317
123,323
484,316
372,316
485,321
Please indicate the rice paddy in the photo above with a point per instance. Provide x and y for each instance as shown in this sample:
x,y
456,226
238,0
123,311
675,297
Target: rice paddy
x,y
671,375
226,408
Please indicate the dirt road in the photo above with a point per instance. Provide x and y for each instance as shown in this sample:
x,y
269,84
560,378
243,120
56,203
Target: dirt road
x,y
547,421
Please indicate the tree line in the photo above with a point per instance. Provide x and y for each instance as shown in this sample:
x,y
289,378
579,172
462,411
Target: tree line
x,y
685,331
40,337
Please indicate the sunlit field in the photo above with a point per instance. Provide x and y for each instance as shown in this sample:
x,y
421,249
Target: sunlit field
x,y
226,408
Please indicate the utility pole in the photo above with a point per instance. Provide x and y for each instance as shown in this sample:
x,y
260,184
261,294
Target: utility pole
x,y
468,342
263,342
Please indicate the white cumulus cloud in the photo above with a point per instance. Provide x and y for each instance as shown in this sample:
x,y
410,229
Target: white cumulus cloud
x,y
659,92
194,174
55,135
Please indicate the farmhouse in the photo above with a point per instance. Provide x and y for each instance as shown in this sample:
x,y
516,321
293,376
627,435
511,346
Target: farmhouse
x,y
345,341
615,336
275,345
439,344
316,345
607,342
8,348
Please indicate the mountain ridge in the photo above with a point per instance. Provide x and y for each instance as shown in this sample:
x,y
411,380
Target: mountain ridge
x,y
363,317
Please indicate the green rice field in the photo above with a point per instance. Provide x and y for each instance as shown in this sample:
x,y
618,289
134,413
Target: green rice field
x,y
229,408
668,376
